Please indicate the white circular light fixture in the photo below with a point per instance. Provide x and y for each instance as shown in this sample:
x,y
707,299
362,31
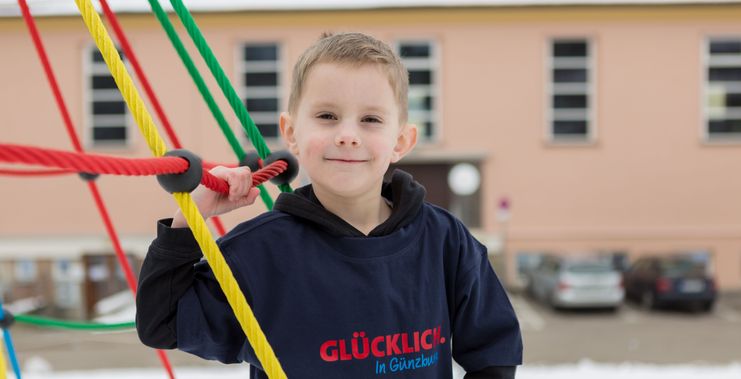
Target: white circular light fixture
x,y
464,179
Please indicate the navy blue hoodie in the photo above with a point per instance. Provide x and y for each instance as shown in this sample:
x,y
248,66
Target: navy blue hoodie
x,y
333,302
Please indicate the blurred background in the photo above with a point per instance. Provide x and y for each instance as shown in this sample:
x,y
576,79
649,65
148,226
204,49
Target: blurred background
x,y
591,145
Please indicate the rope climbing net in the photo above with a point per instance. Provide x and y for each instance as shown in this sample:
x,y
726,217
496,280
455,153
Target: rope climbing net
x,y
177,170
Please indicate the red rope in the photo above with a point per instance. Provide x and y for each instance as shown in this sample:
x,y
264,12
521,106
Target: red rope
x,y
218,225
40,172
130,279
103,164
123,261
258,177
49,74
92,163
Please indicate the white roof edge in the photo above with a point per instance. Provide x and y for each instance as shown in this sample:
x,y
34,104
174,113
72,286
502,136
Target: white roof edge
x,y
9,8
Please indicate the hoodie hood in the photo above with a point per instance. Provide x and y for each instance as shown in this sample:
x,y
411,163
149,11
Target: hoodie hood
x,y
402,191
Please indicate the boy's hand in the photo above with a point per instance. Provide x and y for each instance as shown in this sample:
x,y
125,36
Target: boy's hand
x,y
210,203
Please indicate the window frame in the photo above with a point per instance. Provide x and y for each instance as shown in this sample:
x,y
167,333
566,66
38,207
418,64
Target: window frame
x,y
705,135
280,87
435,92
590,137
89,70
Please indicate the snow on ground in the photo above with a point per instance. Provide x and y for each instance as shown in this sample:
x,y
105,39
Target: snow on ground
x,y
590,370
117,308
582,370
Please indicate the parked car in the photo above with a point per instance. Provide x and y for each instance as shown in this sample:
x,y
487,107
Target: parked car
x,y
659,281
576,282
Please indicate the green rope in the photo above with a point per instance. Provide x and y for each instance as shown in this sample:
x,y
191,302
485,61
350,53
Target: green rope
x,y
203,89
55,323
226,87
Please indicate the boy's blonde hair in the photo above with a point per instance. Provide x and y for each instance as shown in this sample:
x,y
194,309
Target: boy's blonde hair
x,y
354,49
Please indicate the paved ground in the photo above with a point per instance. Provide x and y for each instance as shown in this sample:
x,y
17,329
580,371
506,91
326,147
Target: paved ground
x,y
75,350
631,334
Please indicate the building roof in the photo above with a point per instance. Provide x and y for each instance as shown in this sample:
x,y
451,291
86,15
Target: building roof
x,y
9,8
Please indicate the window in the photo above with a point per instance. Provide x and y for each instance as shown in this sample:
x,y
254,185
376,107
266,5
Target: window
x,y
261,81
723,89
570,99
25,271
420,60
108,115
67,277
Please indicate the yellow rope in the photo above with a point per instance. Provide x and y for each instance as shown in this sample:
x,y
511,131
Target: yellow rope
x,y
215,258
229,285
3,366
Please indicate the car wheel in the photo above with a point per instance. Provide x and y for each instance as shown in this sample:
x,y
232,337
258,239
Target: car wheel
x,y
708,306
648,300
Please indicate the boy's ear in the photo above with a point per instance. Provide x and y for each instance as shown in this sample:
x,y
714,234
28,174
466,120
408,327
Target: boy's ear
x,y
405,142
288,132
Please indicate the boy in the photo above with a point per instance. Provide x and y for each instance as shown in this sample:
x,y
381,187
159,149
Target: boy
x,y
349,277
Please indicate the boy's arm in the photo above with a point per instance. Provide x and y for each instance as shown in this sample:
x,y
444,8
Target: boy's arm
x,y
181,305
486,334
166,274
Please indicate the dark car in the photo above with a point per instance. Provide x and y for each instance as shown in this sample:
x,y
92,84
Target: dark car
x,y
671,280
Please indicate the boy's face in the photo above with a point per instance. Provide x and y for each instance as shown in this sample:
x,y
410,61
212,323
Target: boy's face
x,y
346,130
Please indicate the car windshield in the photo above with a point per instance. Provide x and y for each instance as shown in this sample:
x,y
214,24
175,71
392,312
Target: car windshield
x,y
589,267
678,267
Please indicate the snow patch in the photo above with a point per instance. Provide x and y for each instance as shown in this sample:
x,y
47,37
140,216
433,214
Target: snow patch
x,y
583,370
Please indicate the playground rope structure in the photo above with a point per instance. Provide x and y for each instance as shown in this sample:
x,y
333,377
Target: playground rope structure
x,y
92,186
173,165
204,91
129,52
221,78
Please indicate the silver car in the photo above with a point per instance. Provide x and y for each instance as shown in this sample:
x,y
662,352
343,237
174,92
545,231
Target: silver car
x,y
576,282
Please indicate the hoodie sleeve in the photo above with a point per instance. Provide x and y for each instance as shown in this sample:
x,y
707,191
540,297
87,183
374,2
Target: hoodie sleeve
x,y
206,324
486,332
166,274
181,305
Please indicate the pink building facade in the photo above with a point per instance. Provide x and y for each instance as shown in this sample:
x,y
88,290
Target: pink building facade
x,y
603,128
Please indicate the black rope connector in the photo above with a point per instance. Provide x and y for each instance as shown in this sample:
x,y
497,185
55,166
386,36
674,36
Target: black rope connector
x,y
8,319
88,176
186,181
252,160
291,172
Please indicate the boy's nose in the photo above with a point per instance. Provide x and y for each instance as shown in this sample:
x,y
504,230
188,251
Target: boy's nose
x,y
347,138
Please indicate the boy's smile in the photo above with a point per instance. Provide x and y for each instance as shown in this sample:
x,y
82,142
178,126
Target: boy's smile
x,y
345,161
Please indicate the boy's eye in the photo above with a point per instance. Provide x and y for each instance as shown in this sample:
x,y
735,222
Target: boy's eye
x,y
371,119
326,116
